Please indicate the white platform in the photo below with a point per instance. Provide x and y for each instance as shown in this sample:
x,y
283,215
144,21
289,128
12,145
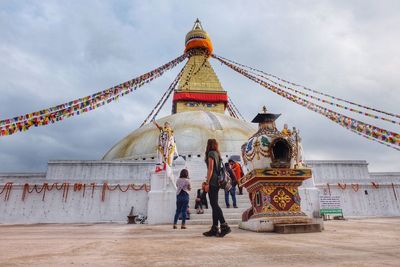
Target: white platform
x,y
366,201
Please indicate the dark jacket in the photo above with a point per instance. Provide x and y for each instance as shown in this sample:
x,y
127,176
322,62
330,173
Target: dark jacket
x,y
231,174
202,195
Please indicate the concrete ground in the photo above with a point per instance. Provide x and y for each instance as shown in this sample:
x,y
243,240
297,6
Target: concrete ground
x,y
366,242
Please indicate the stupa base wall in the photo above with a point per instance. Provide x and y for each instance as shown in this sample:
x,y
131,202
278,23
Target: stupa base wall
x,y
310,201
76,192
375,194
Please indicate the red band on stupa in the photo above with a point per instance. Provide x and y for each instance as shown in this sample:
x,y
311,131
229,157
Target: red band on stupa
x,y
201,97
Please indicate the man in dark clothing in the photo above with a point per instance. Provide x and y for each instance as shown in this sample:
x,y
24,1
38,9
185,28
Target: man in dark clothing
x,y
232,191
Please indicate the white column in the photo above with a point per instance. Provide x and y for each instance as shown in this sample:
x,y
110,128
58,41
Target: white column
x,y
162,197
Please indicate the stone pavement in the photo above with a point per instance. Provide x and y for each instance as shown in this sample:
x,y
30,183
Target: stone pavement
x,y
366,242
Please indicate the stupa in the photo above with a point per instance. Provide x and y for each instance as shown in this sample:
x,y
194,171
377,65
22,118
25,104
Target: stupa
x,y
198,113
276,171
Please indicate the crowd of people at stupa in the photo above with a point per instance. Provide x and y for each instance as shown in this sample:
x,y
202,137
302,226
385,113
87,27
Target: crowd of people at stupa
x,y
233,172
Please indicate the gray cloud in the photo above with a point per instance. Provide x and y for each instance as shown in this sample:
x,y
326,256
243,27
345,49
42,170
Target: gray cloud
x,y
52,52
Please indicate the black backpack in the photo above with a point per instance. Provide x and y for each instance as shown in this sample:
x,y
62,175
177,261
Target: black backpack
x,y
224,179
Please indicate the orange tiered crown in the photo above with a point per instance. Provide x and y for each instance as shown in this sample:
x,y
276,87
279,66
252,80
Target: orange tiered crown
x,y
198,38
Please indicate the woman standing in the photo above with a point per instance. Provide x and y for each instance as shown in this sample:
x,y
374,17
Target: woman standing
x,y
182,197
213,159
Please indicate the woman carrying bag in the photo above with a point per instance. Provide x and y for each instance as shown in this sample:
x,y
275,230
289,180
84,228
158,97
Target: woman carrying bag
x,y
213,161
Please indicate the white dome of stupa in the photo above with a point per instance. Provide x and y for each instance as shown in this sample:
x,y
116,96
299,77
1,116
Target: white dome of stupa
x,y
192,129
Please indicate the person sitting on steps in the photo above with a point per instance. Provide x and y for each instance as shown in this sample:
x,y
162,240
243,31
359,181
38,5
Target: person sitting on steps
x,y
201,200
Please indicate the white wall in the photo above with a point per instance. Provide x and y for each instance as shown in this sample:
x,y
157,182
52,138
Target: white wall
x,y
77,209
378,202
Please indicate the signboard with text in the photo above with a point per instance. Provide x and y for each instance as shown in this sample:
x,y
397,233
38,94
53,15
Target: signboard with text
x,y
330,205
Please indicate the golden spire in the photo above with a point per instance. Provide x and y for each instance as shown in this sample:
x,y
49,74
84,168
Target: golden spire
x,y
199,86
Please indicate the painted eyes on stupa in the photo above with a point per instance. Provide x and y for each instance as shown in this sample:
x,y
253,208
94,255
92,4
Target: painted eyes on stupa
x,y
192,104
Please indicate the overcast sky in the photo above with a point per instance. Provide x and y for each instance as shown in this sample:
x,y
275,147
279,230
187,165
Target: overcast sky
x,y
55,51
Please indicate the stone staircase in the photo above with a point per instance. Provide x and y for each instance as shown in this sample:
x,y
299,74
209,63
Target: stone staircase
x,y
232,215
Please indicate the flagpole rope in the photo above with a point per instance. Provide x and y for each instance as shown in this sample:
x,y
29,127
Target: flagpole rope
x,y
235,108
312,90
170,90
325,101
166,94
386,136
82,105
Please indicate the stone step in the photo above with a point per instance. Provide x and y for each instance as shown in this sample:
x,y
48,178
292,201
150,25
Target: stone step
x,y
221,202
198,186
297,228
239,204
222,196
209,216
224,210
221,193
209,221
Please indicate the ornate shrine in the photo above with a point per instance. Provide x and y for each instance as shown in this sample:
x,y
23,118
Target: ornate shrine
x,y
276,171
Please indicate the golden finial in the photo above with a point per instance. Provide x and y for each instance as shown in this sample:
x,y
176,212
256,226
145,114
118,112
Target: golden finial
x,y
197,25
264,109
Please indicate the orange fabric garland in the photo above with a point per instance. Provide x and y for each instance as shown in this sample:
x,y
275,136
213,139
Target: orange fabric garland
x,y
376,185
343,187
355,187
7,187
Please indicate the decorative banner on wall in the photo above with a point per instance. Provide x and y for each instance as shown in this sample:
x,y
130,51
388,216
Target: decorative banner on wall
x,y
65,187
375,185
82,105
145,187
389,138
6,190
342,186
355,187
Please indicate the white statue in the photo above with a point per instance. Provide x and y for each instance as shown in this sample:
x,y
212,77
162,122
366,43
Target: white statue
x,y
299,158
166,149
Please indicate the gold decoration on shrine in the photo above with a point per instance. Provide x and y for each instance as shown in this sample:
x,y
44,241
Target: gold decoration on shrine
x,y
281,198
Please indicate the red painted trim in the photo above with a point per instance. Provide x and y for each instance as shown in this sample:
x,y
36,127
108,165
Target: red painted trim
x,y
201,97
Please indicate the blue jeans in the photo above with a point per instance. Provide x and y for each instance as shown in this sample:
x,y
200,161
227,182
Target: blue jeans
x,y
182,203
232,192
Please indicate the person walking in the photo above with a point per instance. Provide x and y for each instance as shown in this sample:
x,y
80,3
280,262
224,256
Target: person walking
x,y
237,170
213,159
232,191
182,197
